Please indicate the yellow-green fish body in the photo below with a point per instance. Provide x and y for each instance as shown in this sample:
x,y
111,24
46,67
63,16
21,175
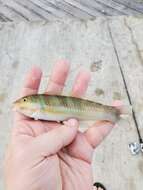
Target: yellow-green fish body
x,y
59,108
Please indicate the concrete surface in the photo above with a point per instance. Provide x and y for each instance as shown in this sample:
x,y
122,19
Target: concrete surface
x,y
100,45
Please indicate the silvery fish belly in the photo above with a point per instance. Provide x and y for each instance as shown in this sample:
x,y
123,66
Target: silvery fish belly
x,y
59,108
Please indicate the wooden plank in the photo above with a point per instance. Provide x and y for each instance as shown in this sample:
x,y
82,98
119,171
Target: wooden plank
x,y
103,7
39,10
71,9
85,7
28,6
133,4
55,10
119,6
26,13
9,14
83,43
49,9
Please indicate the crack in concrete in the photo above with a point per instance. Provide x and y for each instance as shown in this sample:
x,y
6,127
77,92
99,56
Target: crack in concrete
x,y
125,83
134,41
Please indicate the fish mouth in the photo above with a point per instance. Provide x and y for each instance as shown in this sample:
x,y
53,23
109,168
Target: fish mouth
x,y
15,106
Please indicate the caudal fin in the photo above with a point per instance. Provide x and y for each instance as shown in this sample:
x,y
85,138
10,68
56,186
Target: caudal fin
x,y
125,111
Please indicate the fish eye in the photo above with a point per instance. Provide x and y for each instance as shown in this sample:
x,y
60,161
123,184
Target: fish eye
x,y
24,99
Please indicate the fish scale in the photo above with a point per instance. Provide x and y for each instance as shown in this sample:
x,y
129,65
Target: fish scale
x,y
56,107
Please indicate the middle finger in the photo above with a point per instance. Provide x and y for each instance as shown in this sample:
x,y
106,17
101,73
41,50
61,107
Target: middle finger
x,y
58,78
81,83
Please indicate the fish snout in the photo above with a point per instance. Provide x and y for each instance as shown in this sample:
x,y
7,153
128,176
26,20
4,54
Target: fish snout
x,y
15,106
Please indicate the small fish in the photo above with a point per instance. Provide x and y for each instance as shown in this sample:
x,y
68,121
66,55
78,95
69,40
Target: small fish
x,y
60,108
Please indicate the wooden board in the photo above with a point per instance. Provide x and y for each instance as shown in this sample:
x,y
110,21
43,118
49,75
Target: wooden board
x,y
31,10
87,44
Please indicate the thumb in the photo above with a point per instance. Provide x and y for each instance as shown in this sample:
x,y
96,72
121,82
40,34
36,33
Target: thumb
x,y
50,143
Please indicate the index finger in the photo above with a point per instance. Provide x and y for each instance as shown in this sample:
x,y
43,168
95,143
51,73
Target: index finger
x,y
32,82
31,86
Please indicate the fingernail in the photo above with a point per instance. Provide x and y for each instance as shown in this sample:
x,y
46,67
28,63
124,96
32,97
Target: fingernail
x,y
62,63
72,123
36,69
36,72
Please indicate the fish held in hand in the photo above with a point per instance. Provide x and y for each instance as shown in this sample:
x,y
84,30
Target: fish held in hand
x,y
60,108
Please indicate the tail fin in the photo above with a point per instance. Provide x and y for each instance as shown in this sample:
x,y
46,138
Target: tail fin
x,y
125,111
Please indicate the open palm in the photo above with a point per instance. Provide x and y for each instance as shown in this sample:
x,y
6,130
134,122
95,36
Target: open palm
x,y
49,155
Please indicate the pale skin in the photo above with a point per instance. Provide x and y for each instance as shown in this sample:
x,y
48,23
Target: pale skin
x,y
50,155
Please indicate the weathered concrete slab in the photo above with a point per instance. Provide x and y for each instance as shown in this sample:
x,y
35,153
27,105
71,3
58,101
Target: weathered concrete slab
x,y
87,44
130,52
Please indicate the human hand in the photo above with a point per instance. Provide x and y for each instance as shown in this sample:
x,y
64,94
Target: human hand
x,y
49,155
